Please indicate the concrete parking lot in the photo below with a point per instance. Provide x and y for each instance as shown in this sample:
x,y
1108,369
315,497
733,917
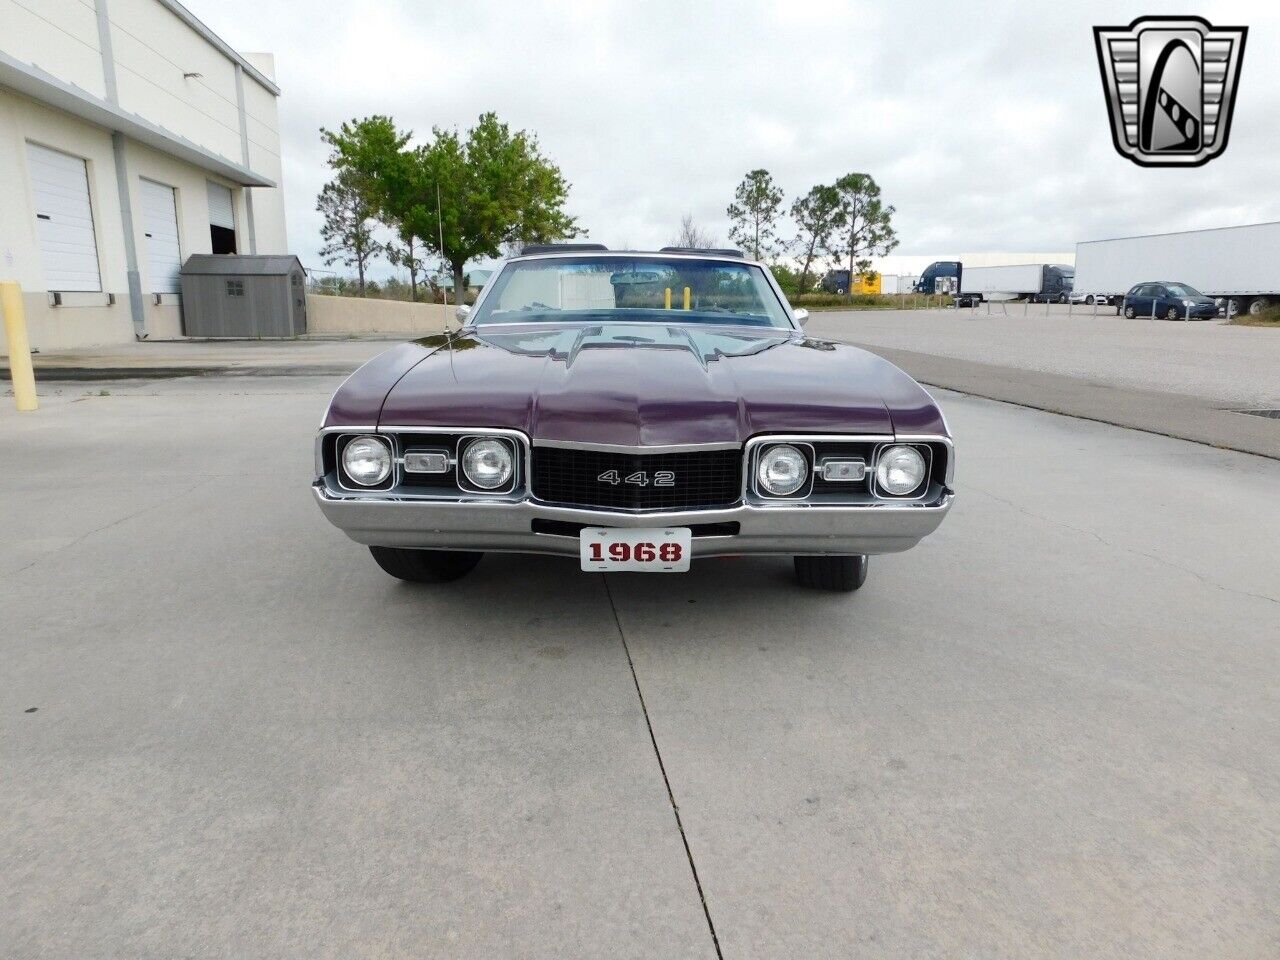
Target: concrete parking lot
x,y
1230,365
1052,730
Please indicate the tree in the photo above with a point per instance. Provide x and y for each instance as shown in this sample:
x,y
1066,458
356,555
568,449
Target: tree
x,y
818,214
348,226
692,235
403,254
754,213
463,197
866,227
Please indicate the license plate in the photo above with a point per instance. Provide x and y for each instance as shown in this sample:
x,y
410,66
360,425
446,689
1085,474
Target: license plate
x,y
649,550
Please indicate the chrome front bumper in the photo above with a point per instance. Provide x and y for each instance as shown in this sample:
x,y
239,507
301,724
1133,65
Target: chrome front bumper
x,y
507,526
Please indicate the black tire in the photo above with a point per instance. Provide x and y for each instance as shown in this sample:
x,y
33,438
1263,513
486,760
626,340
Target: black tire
x,y
840,291
425,566
1089,300
1257,306
1130,313
842,574
1172,314
1062,298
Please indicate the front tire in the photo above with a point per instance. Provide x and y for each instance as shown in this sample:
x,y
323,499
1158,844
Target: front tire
x,y
840,574
1130,313
425,566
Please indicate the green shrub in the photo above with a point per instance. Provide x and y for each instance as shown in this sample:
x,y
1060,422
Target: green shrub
x,y
867,301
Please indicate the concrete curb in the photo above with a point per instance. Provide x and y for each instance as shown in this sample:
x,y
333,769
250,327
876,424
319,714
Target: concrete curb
x,y
1171,415
62,374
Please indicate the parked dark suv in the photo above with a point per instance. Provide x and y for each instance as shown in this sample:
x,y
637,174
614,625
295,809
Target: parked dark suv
x,y
1170,301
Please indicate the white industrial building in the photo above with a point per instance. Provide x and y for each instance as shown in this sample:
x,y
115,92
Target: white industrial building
x,y
130,138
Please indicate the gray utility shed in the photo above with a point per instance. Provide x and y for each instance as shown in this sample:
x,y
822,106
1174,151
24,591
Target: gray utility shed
x,y
235,295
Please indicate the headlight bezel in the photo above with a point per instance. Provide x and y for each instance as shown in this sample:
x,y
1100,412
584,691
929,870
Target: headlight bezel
x,y
805,487
348,479
920,490
469,485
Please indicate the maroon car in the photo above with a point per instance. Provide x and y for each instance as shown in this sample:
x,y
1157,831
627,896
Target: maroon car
x,y
635,410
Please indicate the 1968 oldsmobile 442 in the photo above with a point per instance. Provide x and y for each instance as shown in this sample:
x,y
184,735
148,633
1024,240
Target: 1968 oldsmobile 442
x,y
635,410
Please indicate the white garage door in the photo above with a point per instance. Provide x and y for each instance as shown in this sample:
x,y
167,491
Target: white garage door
x,y
221,212
160,229
64,220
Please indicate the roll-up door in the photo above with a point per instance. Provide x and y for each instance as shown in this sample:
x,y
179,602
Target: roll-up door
x,y
64,220
222,219
160,230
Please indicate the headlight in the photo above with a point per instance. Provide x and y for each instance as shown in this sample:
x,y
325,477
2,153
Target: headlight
x,y
900,470
488,463
782,470
367,460
1188,303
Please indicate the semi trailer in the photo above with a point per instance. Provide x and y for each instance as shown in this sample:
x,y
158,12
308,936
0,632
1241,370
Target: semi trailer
x,y
1238,266
972,285
1049,282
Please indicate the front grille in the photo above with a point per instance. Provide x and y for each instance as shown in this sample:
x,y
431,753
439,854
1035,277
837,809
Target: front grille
x,y
698,479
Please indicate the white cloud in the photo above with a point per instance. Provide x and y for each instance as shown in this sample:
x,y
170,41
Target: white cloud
x,y
984,124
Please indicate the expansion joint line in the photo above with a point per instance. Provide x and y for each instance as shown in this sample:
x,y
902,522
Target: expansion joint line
x,y
671,797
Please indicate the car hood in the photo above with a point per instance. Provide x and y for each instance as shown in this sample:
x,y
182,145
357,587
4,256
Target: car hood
x,y
651,384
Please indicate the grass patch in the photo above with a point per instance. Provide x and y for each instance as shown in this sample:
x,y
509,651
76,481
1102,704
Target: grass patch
x,y
867,301
1267,318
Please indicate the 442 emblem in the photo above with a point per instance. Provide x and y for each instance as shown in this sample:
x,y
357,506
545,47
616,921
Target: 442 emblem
x,y
641,478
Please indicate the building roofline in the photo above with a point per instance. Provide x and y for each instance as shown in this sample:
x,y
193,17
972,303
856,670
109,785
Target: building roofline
x,y
29,80
190,19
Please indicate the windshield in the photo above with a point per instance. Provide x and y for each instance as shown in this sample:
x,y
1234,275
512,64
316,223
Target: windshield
x,y
632,290
1182,290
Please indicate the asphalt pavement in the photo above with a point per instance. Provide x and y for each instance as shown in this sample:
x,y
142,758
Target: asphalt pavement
x,y
1052,730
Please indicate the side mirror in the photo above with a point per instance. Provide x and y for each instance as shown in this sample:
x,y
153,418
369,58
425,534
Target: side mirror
x,y
462,312
801,315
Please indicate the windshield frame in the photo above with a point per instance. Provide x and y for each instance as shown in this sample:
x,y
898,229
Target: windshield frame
x,y
1188,290
506,265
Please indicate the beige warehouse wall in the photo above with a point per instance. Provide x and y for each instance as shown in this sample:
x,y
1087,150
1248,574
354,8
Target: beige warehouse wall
x,y
352,316
60,36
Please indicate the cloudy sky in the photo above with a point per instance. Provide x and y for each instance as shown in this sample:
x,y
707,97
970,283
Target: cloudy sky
x,y
983,123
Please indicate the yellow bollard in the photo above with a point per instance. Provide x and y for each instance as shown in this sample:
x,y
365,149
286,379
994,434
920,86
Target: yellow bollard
x,y
15,329
686,298
667,301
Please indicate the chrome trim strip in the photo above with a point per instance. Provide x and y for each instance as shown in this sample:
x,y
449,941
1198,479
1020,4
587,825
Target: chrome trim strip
x,y
640,449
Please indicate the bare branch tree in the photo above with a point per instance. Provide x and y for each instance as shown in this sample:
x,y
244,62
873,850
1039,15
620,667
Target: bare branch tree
x,y
692,235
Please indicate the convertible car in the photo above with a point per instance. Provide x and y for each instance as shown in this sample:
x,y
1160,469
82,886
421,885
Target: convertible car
x,y
637,411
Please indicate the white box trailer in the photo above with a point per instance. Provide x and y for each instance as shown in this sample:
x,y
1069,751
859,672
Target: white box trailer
x,y
1238,264
1015,281
1045,281
896,283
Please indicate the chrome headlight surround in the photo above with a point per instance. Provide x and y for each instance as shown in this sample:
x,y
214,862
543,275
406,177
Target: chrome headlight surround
x,y
476,454
366,461
896,464
799,455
